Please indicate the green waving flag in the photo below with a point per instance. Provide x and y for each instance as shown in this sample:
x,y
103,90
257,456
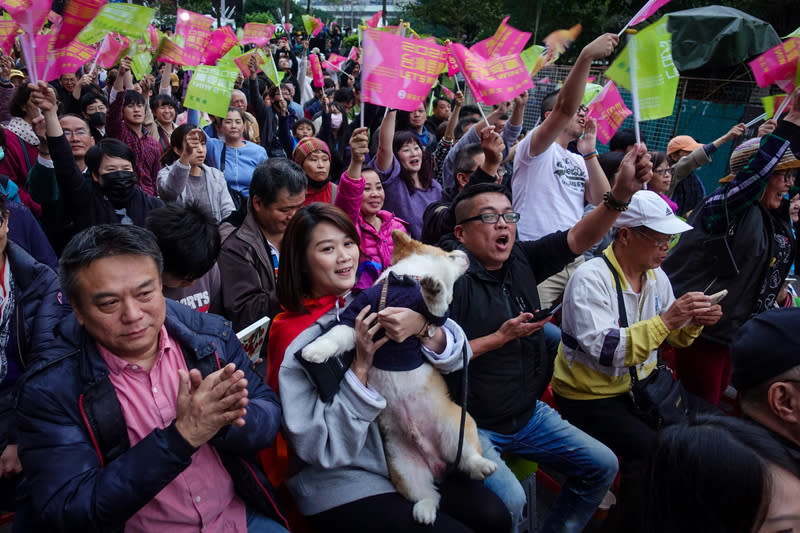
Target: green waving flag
x,y
210,89
130,20
656,76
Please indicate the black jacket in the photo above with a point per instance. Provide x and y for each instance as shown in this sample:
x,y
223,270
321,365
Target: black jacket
x,y
83,475
84,202
505,384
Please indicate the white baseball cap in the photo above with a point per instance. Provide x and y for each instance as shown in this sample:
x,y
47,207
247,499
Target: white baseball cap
x,y
648,209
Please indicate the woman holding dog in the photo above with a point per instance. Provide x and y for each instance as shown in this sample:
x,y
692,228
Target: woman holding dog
x,y
340,480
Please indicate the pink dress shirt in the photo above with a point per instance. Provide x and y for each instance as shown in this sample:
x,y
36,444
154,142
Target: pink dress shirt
x,y
202,497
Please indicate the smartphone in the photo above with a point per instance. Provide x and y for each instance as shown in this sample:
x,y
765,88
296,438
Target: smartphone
x,y
718,296
544,313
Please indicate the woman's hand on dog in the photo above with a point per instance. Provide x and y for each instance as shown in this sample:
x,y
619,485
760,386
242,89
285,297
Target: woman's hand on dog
x,y
401,323
367,325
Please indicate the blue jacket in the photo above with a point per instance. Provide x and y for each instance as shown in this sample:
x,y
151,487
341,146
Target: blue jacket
x,y
81,472
38,307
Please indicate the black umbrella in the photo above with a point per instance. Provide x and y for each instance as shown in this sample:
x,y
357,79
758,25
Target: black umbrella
x,y
717,36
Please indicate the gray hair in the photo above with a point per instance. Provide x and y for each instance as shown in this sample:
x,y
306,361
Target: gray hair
x,y
98,242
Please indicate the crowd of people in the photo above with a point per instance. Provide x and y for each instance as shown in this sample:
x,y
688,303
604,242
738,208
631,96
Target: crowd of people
x,y
138,237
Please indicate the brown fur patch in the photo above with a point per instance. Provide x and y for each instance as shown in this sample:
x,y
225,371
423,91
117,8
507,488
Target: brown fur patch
x,y
405,246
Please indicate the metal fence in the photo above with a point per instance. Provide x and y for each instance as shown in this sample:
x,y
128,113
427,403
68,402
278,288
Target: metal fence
x,y
704,108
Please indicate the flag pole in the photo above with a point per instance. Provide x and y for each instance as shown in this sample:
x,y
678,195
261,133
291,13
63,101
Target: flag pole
x,y
634,88
783,105
461,68
756,120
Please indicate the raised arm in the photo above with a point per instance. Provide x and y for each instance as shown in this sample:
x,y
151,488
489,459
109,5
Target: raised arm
x,y
634,171
74,188
571,94
351,186
385,154
166,80
597,184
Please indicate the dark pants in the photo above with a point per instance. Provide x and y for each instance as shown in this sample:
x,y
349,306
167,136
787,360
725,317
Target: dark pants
x,y
466,505
614,422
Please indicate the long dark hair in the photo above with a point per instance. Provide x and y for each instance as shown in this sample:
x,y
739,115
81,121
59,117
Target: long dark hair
x,y
401,138
712,475
294,282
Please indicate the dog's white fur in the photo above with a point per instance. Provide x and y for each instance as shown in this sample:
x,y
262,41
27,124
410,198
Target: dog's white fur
x,y
420,423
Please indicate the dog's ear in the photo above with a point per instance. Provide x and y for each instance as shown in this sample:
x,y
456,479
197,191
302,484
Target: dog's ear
x,y
402,245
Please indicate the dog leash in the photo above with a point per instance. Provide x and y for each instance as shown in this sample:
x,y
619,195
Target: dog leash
x,y
464,380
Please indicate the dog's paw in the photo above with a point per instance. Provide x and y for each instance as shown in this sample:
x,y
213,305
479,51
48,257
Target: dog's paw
x,y
425,511
319,351
480,468
434,295
431,286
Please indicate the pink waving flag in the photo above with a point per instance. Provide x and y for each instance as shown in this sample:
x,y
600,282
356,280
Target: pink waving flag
x,y
648,9
448,93
112,46
336,59
257,33
506,40
8,32
452,65
169,52
398,72
316,70
778,65
77,15
374,20
493,80
353,54
288,27
243,61
29,14
195,29
608,109
51,63
222,40
155,37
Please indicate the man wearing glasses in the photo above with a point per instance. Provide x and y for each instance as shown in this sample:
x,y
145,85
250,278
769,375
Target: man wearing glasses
x,y
592,376
494,303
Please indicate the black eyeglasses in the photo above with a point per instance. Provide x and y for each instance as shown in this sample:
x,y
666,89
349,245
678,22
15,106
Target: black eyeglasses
x,y
492,218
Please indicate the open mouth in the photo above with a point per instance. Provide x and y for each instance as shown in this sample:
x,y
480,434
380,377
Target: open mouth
x,y
502,242
344,271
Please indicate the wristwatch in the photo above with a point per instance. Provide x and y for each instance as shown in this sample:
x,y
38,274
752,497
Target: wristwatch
x,y
427,331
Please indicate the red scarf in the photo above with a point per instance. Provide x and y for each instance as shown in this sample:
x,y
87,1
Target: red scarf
x,y
324,194
285,328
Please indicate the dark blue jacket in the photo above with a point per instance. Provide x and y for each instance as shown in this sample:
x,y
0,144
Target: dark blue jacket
x,y
38,307
81,472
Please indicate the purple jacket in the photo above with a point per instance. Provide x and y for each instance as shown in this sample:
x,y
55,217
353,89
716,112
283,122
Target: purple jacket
x,y
376,245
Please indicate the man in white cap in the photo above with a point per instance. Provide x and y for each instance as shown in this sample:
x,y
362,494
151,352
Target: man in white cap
x,y
592,377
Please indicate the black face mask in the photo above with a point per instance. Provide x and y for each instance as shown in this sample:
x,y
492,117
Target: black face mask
x,y
97,120
118,187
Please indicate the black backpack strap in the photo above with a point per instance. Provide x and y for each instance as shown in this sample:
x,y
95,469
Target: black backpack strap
x,y
623,314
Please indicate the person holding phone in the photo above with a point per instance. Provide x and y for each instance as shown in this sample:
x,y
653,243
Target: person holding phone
x,y
591,380
494,302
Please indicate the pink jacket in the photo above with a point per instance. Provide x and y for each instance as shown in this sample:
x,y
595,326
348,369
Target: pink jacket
x,y
376,245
